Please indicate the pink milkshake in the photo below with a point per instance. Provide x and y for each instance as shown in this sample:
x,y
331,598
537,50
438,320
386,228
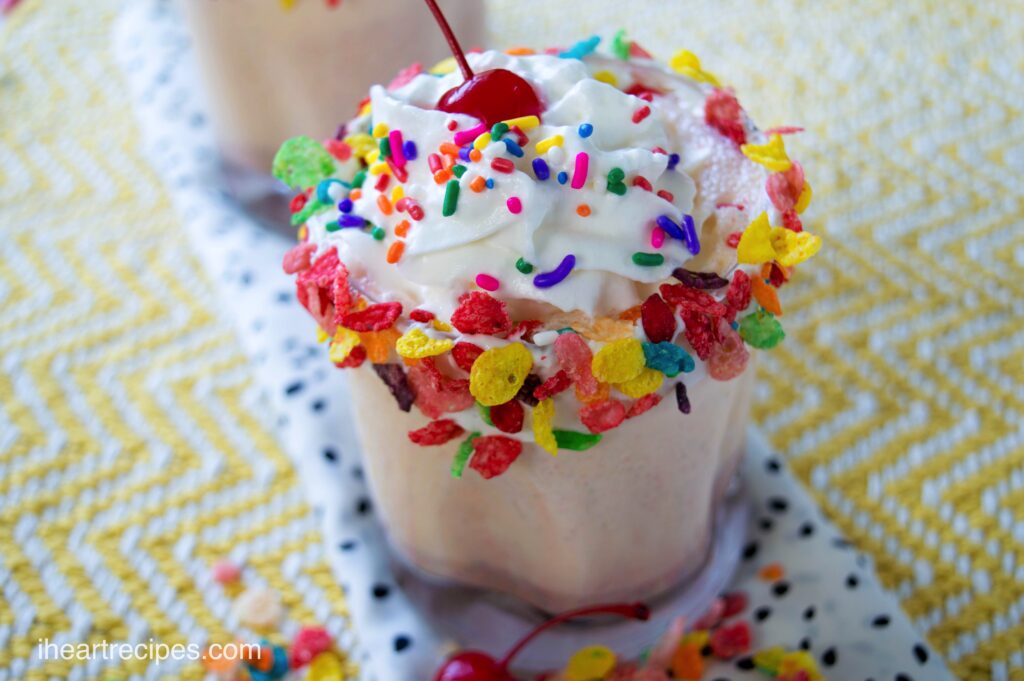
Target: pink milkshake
x,y
546,286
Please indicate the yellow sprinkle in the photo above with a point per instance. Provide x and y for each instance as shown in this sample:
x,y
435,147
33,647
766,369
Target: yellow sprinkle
x,y
342,344
380,169
380,130
755,246
302,233
543,418
589,664
548,142
397,194
792,248
415,344
482,141
440,326
523,122
443,67
686,63
805,198
607,77
772,155
372,156
644,383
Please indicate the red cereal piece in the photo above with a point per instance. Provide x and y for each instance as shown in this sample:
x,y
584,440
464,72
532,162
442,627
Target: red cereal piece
x,y
493,454
342,293
482,313
338,150
737,298
777,274
733,240
317,287
729,356
658,319
734,603
376,317
791,221
405,75
354,360
553,385
645,403
700,332
722,112
575,356
308,643
465,354
711,618
508,417
437,393
731,640
784,189
692,300
421,316
636,51
604,415
298,258
525,329
436,433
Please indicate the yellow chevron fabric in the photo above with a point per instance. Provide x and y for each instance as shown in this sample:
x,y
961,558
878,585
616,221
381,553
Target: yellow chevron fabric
x,y
897,396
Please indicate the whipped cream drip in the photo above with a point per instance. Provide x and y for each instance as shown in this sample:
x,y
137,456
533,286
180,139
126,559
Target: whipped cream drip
x,y
443,255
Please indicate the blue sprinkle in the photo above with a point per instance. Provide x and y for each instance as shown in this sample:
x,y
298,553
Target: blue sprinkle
x,y
410,151
464,152
673,161
540,169
563,177
351,221
490,183
690,234
671,228
346,205
513,148
582,48
586,130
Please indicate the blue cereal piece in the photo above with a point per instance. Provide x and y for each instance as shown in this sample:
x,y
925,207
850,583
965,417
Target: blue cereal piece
x,y
668,358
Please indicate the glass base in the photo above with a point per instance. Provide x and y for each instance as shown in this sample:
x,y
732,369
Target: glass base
x,y
260,196
492,622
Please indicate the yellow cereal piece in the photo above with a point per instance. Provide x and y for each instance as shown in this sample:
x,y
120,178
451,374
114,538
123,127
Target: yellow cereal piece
x,y
805,198
440,326
606,77
644,383
482,141
618,361
771,155
589,664
378,344
769,659
686,63
414,344
397,194
523,122
499,373
792,248
443,67
543,420
380,130
699,638
755,246
325,667
548,142
344,341
321,335
796,661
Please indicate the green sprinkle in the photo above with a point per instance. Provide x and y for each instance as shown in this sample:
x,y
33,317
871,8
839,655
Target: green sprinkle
x,y
648,259
497,130
566,329
616,175
358,179
307,212
462,456
485,413
458,170
302,162
524,266
377,233
385,147
617,188
451,198
575,441
620,45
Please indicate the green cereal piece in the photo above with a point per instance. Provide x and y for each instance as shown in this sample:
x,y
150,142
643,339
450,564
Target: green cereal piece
x,y
761,330
302,162
575,441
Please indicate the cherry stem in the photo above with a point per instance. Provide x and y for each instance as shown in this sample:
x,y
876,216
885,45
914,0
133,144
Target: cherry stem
x,y
637,611
453,42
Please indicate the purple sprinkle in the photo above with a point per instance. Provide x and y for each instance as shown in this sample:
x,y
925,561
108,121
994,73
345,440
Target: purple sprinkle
x,y
351,221
345,206
682,399
410,151
341,132
555,276
690,232
670,227
464,152
673,161
540,169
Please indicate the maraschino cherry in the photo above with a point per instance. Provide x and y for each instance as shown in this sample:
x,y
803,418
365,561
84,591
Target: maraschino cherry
x,y
491,96
473,665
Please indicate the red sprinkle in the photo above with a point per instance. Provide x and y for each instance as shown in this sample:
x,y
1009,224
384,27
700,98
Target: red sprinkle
x,y
434,163
667,195
415,210
453,124
641,181
422,316
733,240
298,203
503,165
641,114
382,182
